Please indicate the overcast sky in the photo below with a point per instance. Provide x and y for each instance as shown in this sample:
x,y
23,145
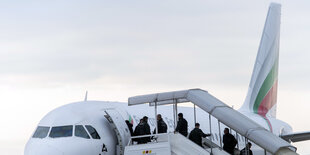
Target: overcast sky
x,y
51,52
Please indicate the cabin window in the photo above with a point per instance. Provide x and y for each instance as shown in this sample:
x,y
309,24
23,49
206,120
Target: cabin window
x,y
41,132
79,131
61,131
92,131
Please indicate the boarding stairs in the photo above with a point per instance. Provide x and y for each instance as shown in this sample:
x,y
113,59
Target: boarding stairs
x,y
171,144
176,144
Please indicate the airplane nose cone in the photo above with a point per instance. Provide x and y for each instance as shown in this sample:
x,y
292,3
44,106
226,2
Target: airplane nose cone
x,y
40,149
61,146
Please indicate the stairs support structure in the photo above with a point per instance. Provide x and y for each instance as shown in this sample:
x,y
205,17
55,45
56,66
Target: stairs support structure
x,y
225,114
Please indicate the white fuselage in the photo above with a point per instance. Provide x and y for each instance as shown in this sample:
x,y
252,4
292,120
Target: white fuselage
x,y
92,113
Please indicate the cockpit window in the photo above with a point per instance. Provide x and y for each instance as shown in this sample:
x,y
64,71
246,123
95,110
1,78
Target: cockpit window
x,y
41,132
81,132
92,131
61,131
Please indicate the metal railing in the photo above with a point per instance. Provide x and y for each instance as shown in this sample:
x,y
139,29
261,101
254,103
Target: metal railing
x,y
219,110
153,137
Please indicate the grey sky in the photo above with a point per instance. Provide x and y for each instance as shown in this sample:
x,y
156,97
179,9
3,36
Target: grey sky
x,y
51,52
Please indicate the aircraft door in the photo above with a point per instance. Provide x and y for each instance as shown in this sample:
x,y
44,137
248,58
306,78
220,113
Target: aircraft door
x,y
120,127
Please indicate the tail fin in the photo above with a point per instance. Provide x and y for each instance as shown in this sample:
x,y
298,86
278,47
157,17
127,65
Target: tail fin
x,y
262,94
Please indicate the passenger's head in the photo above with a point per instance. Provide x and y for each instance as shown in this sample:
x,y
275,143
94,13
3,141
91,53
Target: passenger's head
x,y
249,145
197,125
159,117
127,121
141,120
180,115
226,130
145,118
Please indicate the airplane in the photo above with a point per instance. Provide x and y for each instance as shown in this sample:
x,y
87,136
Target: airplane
x,y
85,127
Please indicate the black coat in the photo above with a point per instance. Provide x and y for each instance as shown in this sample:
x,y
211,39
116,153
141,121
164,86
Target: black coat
x,y
147,130
162,127
182,127
142,129
130,128
229,143
196,136
139,130
246,151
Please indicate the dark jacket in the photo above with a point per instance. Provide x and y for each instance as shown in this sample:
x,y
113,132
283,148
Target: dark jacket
x,y
147,130
182,127
196,136
246,151
229,143
139,130
162,127
142,129
130,128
